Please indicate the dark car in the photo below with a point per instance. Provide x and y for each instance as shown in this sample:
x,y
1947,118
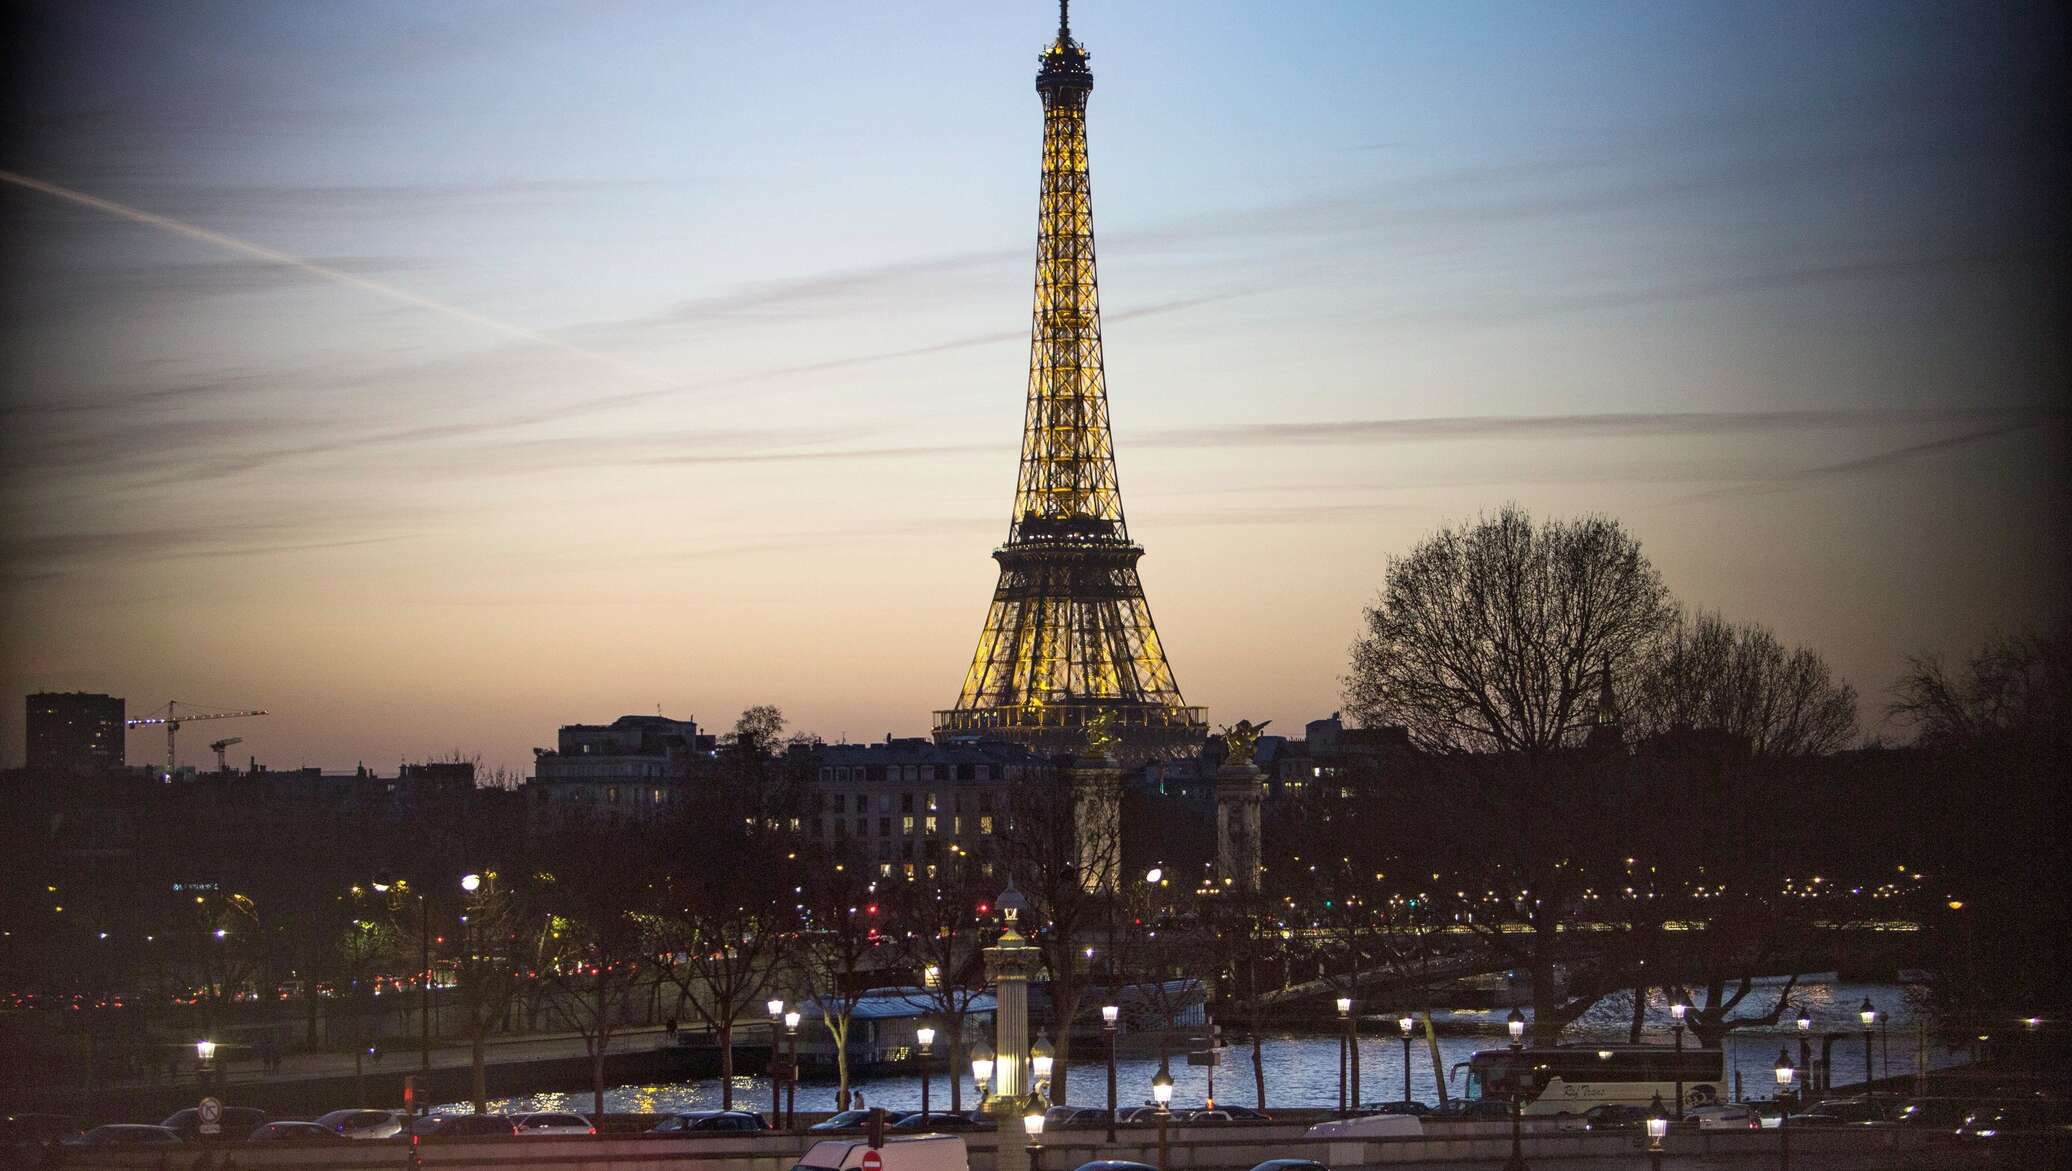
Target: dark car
x,y
846,1120
1290,1165
364,1124
1473,1110
294,1132
1615,1116
465,1126
1114,1165
26,1139
236,1120
1934,1113
1851,1109
942,1120
1247,1114
1074,1118
1417,1108
710,1121
127,1134
2024,1119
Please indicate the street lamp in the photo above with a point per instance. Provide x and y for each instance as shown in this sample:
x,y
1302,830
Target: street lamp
x,y
383,884
1345,1037
1868,1014
982,1070
1040,1061
1515,1025
471,882
1805,1023
1162,1094
926,1036
1658,1126
791,1081
1406,1024
776,1007
1032,1125
1110,1014
1676,1018
1785,1073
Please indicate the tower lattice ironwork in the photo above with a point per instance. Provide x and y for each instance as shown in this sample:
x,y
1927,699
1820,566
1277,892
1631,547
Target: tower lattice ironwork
x,y
1068,643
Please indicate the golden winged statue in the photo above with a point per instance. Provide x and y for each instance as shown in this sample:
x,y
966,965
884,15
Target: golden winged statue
x,y
1240,740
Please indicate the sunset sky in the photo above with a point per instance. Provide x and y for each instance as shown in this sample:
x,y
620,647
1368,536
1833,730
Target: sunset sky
x,y
436,374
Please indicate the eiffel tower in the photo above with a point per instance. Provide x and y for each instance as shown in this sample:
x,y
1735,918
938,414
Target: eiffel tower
x,y
1068,646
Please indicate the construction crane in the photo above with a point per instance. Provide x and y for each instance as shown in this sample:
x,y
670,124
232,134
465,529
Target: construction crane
x,y
222,765
171,721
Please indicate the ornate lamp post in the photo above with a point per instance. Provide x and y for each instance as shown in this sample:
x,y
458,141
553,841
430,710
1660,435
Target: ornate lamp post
x,y
1785,1073
1515,1024
1658,1126
1010,963
1406,1023
791,1070
1110,1013
1162,1094
1676,1017
1041,1060
1345,1018
926,1036
776,1007
1868,1014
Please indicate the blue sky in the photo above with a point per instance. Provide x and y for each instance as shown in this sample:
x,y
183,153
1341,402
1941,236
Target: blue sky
x,y
673,354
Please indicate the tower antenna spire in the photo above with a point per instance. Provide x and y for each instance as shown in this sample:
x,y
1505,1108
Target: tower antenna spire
x,y
1064,20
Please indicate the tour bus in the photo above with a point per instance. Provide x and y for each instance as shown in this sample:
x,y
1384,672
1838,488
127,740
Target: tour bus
x,y
1569,1079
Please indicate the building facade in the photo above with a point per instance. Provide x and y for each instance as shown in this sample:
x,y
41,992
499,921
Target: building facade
x,y
75,731
914,808
634,769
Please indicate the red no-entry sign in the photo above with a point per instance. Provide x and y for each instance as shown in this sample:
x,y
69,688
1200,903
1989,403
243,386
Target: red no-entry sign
x,y
872,1161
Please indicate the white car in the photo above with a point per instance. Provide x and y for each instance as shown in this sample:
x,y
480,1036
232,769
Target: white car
x,y
553,1123
1725,1116
363,1123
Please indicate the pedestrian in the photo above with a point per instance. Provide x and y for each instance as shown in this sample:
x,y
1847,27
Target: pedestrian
x,y
669,1028
857,1097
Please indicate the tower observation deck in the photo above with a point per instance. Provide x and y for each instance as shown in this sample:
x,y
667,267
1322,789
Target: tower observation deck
x,y
1068,643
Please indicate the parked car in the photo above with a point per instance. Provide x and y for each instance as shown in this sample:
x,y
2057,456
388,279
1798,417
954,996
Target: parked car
x,y
1074,1118
710,1121
1290,1165
1851,1110
1472,1110
1615,1116
1136,1115
546,1122
942,1120
464,1126
363,1124
1114,1165
1769,1112
1934,1113
236,1120
127,1134
294,1132
1368,1126
2001,1121
1246,1114
26,1139
1725,1116
906,1152
1411,1107
846,1120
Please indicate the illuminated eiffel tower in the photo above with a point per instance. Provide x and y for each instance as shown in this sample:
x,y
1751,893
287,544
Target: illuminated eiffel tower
x,y
1068,644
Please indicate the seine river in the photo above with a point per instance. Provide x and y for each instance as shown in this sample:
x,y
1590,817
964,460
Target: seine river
x,y
1302,1068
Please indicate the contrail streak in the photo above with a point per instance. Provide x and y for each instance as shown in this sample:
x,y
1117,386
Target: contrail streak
x,y
389,292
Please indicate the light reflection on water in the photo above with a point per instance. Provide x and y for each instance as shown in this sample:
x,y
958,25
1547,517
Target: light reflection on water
x,y
1302,1068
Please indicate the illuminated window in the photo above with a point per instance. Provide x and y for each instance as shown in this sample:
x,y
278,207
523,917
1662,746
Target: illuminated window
x,y
907,824
957,825
884,870
928,826
985,823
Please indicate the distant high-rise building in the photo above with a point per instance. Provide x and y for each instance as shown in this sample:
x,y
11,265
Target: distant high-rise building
x,y
75,731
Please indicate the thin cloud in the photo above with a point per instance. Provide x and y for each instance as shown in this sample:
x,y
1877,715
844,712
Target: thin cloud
x,y
1884,459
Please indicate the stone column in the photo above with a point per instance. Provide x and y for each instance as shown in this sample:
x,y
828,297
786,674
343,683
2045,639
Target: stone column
x,y
1009,964
1096,785
1239,790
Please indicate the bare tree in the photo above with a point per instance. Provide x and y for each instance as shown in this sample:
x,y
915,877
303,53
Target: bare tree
x,y
2017,689
1707,673
1490,636
597,945
942,934
497,931
841,931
